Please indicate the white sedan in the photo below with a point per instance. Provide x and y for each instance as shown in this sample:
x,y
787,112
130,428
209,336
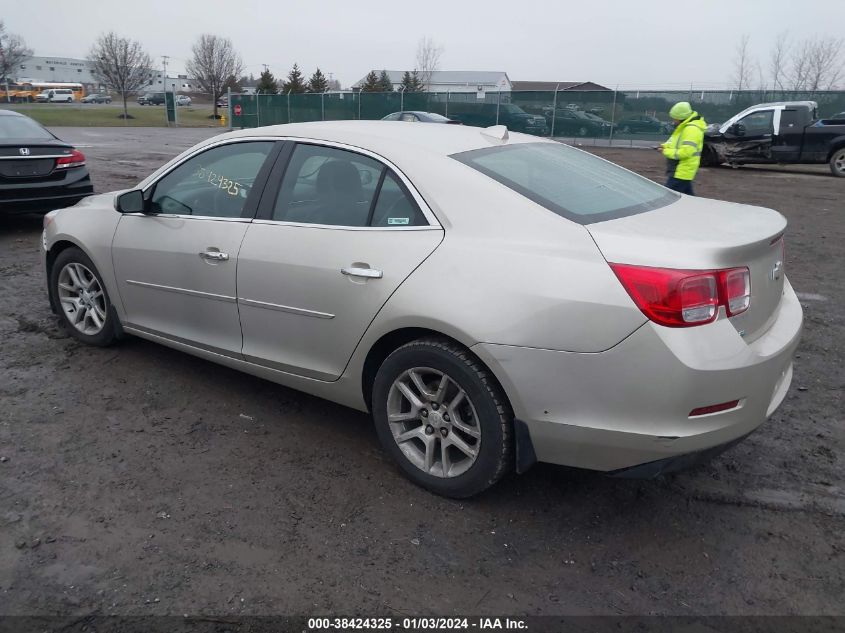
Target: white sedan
x,y
492,299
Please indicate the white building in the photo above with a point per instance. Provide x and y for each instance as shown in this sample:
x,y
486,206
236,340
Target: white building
x,y
73,70
479,81
57,69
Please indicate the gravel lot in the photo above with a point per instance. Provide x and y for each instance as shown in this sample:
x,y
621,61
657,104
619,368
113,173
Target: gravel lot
x,y
140,480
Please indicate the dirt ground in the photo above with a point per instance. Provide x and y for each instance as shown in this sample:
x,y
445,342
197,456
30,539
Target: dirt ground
x,y
140,480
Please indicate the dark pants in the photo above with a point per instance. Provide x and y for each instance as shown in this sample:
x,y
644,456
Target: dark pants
x,y
681,186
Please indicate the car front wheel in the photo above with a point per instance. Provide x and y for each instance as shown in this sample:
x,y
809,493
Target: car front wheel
x,y
443,418
837,163
80,296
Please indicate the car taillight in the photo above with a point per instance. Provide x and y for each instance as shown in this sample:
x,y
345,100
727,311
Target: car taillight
x,y
737,290
684,298
74,159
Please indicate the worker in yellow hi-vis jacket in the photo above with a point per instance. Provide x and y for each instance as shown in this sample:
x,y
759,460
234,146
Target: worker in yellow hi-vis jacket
x,y
684,147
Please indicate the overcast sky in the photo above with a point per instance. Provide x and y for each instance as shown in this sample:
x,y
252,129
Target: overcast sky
x,y
644,43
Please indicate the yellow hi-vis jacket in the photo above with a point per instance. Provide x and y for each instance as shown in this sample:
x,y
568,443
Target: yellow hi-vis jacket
x,y
684,147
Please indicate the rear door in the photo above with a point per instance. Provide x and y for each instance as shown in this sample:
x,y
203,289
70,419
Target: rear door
x,y
337,232
176,265
788,139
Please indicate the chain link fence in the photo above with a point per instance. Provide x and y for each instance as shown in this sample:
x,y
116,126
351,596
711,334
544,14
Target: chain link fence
x,y
607,116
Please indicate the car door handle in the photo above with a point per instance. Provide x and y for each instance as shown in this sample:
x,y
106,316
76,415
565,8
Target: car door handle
x,y
369,273
215,256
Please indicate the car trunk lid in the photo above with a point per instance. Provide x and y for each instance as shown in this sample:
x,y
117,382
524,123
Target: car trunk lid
x,y
26,158
700,234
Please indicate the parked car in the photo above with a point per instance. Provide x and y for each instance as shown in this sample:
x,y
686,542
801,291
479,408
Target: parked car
x,y
152,98
419,117
183,100
577,123
487,114
643,124
38,172
536,303
55,95
96,98
786,132
223,102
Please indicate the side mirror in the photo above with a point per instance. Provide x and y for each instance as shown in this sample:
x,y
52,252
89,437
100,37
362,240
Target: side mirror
x,y
131,202
738,129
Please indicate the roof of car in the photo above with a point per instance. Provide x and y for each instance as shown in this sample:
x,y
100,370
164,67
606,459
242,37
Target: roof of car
x,y
392,137
10,113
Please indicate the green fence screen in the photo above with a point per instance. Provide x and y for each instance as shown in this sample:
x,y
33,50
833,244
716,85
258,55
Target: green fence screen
x,y
609,114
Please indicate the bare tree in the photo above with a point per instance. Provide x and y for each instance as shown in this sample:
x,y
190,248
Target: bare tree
x,y
816,64
825,65
13,52
120,64
743,64
214,61
778,61
799,66
428,60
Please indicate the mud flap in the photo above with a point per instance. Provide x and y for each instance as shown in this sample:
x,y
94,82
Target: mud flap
x,y
525,455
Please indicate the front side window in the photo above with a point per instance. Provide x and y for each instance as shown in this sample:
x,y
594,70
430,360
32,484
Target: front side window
x,y
574,184
215,183
336,187
758,122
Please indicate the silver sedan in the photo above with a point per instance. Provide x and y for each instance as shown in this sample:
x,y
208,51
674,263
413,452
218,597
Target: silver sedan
x,y
493,299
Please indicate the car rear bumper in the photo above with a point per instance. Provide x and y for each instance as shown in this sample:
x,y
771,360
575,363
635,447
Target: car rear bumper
x,y
45,194
629,406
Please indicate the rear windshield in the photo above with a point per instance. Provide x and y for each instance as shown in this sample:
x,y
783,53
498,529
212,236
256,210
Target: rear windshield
x,y
574,184
21,127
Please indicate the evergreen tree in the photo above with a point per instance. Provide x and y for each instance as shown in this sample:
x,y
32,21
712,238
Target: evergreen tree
x,y
371,83
411,82
384,82
267,84
318,82
294,83
416,82
233,84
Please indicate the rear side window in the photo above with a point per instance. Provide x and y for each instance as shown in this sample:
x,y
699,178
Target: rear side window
x,y
574,184
336,187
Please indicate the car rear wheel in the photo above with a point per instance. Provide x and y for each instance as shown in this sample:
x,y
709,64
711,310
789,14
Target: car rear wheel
x,y
837,163
80,297
443,418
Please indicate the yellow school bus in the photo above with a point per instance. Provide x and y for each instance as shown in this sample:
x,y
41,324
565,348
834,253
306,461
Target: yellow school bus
x,y
26,91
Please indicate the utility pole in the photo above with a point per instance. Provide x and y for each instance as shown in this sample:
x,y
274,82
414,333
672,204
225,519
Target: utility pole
x,y
164,59
266,67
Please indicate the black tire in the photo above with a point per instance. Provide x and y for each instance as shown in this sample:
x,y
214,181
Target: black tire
x,y
709,158
838,156
494,417
109,332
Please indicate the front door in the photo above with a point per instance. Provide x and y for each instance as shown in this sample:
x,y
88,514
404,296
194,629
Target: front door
x,y
176,264
749,140
342,233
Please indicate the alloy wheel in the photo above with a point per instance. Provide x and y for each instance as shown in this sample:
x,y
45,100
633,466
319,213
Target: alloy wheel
x,y
433,422
82,298
839,162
